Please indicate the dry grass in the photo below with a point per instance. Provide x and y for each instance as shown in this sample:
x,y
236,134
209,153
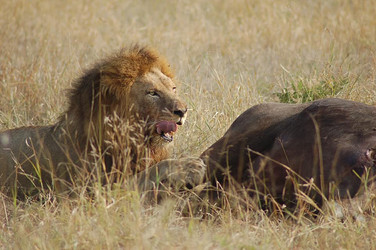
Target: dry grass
x,y
229,55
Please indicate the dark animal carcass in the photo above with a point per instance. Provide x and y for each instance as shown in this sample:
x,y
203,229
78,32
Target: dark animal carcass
x,y
275,148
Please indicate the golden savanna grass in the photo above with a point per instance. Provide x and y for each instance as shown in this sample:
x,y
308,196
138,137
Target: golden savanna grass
x,y
228,55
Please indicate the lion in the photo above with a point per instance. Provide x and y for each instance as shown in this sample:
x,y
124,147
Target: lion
x,y
324,149
121,119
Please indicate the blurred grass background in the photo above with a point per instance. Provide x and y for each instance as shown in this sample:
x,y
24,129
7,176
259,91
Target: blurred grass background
x,y
228,55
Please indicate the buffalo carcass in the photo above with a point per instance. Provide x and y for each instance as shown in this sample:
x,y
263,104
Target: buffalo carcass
x,y
323,148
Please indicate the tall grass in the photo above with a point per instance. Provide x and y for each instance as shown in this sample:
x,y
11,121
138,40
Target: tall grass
x,y
228,55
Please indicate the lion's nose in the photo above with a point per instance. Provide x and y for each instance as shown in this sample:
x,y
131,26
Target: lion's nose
x,y
180,112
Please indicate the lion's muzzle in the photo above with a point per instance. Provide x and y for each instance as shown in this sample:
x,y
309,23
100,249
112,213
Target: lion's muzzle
x,y
181,113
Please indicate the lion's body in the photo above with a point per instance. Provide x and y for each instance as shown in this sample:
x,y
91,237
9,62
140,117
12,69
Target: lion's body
x,y
31,157
110,125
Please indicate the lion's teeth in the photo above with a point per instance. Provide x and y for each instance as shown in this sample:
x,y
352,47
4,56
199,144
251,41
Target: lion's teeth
x,y
167,136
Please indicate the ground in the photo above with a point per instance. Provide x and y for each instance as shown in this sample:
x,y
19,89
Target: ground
x,y
228,55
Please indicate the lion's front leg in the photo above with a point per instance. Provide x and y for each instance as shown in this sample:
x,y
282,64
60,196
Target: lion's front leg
x,y
170,176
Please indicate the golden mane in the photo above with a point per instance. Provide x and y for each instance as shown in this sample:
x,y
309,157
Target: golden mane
x,y
110,78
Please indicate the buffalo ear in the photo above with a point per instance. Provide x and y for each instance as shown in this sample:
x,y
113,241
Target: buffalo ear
x,y
371,154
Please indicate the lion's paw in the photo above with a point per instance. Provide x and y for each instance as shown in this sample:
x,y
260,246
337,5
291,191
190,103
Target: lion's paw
x,y
173,174
187,172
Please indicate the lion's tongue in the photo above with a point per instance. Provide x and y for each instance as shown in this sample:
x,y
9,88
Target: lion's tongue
x,y
166,127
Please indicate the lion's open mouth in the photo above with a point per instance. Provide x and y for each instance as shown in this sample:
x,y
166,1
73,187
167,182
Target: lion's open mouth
x,y
166,130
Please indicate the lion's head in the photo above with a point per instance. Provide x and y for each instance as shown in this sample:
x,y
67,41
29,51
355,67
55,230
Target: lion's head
x,y
135,86
155,100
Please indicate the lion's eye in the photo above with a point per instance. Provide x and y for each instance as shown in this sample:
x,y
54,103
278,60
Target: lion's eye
x,y
174,89
153,93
